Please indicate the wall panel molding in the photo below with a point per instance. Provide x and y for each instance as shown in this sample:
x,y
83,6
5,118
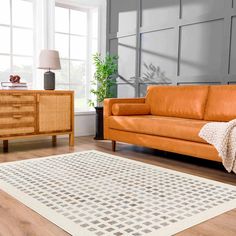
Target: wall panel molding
x,y
232,61
200,50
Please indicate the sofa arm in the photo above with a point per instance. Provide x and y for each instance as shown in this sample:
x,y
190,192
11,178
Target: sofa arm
x,y
108,103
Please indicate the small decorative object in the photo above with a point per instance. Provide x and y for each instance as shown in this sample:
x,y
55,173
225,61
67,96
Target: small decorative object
x,y
14,78
104,81
49,60
14,84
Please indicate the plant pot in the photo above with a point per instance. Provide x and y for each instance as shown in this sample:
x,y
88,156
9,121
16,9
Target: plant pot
x,y
99,123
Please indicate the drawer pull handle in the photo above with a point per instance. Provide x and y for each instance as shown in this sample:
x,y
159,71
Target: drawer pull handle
x,y
17,116
16,106
16,94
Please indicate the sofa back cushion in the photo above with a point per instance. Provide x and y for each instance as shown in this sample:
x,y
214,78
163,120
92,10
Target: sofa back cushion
x,y
221,104
178,101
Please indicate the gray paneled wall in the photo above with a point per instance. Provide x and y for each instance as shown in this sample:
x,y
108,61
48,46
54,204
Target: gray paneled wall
x,y
172,42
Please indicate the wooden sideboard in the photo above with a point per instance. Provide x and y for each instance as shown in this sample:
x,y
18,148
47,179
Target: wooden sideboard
x,y
31,113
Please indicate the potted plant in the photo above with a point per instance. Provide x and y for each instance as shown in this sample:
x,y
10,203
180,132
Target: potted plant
x,y
102,86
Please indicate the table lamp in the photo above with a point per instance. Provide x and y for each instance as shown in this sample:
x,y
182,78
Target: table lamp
x,y
49,60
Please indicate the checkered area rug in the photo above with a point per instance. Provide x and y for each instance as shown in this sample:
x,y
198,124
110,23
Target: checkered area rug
x,y
95,194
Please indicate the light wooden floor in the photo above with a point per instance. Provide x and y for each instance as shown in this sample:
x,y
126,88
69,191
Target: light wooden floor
x,y
18,220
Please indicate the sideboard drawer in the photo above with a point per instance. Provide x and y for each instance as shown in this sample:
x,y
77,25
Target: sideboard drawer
x,y
16,108
17,131
15,121
17,98
17,124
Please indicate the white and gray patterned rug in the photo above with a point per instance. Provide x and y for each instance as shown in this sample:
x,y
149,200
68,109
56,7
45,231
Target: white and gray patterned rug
x,y
96,194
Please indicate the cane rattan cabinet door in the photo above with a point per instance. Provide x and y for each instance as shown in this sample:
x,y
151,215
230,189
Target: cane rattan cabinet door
x,y
54,112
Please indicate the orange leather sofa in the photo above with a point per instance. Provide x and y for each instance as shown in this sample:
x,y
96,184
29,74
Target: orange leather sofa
x,y
169,118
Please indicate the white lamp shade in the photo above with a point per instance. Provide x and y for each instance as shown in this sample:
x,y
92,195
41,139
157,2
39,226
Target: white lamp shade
x,y
49,59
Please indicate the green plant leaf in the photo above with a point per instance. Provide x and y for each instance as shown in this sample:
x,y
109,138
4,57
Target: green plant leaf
x,y
105,70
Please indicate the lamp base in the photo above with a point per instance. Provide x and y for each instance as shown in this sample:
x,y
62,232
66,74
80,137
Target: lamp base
x,y
49,80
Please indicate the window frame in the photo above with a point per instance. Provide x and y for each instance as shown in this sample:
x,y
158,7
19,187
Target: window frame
x,y
11,27
89,37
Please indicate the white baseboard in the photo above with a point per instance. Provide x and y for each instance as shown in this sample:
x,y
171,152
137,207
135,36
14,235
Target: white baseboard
x,y
85,124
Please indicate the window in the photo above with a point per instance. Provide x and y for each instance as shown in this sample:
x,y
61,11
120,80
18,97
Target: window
x,y
76,39
17,39
26,28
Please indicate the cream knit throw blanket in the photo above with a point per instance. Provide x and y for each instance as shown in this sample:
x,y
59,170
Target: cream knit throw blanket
x,y
222,135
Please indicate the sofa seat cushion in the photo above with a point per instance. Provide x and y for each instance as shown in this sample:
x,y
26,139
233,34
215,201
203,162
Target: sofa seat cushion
x,y
178,101
179,128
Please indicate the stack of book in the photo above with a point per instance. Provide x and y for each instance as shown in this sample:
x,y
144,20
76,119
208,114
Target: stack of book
x,y
13,86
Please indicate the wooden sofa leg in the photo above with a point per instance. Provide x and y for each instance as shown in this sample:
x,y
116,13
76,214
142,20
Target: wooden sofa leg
x,y
5,145
54,140
113,145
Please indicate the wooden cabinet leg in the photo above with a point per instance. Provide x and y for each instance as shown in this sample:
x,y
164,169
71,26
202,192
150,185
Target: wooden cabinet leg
x,y
71,139
113,145
54,140
5,145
